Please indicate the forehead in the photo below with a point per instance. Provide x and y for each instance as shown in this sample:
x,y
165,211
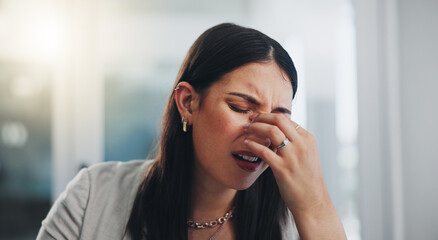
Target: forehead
x,y
266,81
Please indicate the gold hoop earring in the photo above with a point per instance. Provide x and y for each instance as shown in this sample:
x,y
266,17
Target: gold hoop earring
x,y
184,123
185,126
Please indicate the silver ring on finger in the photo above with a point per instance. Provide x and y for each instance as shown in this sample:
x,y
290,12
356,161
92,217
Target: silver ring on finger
x,y
283,144
298,126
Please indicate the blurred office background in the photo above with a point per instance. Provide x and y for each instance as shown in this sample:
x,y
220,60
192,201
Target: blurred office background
x,y
85,81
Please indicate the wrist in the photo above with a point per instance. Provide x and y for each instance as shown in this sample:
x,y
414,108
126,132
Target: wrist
x,y
319,222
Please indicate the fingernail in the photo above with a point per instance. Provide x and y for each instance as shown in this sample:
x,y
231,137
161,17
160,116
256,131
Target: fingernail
x,y
246,141
246,126
252,117
268,142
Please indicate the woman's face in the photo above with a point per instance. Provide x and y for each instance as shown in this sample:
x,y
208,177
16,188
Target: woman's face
x,y
222,158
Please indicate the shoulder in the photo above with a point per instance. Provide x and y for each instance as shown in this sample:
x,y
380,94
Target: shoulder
x,y
109,173
112,190
96,203
64,220
112,181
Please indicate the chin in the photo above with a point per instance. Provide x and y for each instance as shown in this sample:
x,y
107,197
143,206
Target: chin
x,y
241,188
242,184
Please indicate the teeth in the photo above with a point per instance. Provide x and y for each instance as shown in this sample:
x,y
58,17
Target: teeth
x,y
248,158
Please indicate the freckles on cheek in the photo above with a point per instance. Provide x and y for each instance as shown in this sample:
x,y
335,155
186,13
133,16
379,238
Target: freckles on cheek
x,y
234,123
222,125
225,121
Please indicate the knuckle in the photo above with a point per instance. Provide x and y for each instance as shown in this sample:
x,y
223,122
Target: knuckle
x,y
278,118
304,148
311,138
272,131
264,152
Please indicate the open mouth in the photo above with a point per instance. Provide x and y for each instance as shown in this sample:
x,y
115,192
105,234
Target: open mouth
x,y
250,159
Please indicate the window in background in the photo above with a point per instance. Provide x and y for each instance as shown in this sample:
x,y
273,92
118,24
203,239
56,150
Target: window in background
x,y
25,155
347,122
27,44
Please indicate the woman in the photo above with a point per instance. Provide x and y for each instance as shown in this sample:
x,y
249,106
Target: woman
x,y
231,164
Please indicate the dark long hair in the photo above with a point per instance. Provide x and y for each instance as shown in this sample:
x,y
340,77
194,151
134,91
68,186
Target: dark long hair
x,y
161,206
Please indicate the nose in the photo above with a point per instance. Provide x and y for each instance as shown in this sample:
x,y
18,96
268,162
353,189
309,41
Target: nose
x,y
253,117
254,137
257,113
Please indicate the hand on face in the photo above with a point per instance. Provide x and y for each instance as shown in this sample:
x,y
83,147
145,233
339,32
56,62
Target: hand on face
x,y
296,166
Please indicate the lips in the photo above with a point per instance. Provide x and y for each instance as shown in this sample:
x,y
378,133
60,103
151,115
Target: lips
x,y
246,158
247,161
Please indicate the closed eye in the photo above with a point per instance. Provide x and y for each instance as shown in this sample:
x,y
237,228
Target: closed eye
x,y
283,110
239,110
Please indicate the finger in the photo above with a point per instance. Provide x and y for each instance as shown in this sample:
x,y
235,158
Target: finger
x,y
260,139
264,130
263,152
286,125
300,130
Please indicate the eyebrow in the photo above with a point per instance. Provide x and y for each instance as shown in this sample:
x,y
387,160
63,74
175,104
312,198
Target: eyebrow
x,y
255,102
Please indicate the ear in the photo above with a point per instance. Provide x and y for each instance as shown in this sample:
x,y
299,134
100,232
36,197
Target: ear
x,y
186,100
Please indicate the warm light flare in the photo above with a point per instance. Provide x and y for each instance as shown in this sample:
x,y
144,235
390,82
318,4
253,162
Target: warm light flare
x,y
31,32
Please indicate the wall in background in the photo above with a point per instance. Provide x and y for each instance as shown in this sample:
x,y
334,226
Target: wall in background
x,y
418,48
397,58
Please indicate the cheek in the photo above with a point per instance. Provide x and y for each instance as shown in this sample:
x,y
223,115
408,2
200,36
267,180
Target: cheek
x,y
231,123
220,126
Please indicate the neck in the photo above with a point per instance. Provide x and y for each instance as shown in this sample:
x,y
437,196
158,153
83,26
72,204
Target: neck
x,y
209,201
